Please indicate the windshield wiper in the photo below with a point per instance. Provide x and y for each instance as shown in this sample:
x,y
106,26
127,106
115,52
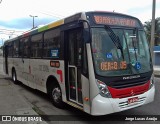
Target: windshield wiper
x,y
115,39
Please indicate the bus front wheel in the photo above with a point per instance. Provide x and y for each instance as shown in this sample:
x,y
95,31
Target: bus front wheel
x,y
14,76
56,96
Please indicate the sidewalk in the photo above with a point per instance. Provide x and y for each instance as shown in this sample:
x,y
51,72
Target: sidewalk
x,y
12,103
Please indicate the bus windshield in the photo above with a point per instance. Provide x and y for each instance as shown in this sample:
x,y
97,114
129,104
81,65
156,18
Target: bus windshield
x,y
118,51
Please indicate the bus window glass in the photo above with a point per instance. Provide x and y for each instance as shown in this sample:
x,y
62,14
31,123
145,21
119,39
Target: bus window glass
x,y
15,48
21,48
52,44
143,50
36,46
10,49
26,47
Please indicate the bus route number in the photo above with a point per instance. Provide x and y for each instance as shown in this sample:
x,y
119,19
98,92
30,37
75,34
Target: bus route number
x,y
110,66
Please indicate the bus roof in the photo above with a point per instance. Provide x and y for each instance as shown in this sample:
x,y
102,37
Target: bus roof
x,y
72,18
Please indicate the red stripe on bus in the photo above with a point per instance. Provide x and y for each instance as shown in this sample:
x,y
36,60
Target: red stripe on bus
x,y
127,92
26,34
59,72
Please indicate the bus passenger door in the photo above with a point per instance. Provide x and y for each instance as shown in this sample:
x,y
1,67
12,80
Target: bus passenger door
x,y
74,65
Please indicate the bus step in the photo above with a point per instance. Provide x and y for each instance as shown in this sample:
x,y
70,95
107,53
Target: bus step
x,y
75,105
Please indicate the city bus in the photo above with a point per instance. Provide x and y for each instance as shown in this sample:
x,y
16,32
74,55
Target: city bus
x,y
98,62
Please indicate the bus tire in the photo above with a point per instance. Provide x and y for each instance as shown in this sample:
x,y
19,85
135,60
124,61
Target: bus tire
x,y
14,76
56,96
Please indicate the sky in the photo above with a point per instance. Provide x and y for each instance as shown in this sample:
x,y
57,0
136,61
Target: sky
x,y
15,14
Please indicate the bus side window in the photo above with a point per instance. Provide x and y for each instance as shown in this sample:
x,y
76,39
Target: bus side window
x,y
15,48
52,44
21,48
10,49
36,46
26,47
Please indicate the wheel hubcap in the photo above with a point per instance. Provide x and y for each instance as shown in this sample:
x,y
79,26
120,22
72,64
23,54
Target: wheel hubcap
x,y
56,94
14,77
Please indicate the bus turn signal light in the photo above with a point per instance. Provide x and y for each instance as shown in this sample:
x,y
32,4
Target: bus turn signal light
x,y
86,98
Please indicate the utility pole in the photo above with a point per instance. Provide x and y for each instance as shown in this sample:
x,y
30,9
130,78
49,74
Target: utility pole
x,y
33,20
153,31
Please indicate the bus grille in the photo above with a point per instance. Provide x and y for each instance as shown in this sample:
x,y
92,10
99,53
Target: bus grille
x,y
125,104
119,85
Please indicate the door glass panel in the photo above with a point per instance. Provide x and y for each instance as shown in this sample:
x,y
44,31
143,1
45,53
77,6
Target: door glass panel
x,y
72,81
72,39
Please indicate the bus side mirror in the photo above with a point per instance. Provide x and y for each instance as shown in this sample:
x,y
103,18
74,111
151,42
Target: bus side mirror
x,y
80,21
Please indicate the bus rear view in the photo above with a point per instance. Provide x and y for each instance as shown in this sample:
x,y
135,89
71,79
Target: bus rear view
x,y
122,63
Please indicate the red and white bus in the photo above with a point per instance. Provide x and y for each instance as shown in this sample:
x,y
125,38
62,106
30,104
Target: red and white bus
x,y
98,62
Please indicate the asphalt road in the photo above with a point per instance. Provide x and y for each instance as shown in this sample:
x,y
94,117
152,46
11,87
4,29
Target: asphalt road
x,y
24,100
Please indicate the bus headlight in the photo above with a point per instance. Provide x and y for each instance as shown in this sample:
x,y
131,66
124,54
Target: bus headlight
x,y
151,81
103,89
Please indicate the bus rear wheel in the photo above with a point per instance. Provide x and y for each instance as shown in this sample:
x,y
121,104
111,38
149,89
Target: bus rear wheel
x,y
56,96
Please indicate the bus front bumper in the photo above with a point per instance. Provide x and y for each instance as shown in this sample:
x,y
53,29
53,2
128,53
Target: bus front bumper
x,y
103,106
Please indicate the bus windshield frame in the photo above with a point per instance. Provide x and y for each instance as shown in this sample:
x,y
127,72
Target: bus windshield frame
x,y
133,58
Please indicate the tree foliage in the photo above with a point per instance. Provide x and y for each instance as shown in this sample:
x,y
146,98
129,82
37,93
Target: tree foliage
x,y
147,28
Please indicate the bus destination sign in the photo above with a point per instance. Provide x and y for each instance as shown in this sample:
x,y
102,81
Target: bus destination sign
x,y
114,20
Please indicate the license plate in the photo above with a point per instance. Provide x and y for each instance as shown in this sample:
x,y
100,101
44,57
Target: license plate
x,y
133,100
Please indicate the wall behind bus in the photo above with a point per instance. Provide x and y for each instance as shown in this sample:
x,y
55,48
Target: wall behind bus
x,y
157,59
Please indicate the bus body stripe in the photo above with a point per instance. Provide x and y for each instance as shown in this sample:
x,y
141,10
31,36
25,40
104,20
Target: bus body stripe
x,y
52,25
55,24
43,28
59,72
130,91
